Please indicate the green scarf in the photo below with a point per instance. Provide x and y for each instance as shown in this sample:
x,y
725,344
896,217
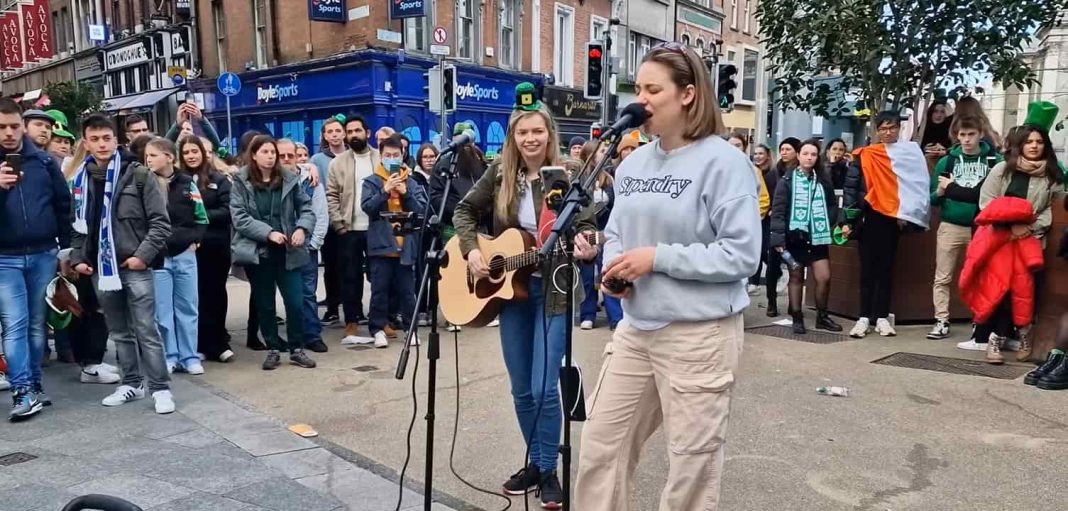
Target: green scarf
x,y
808,212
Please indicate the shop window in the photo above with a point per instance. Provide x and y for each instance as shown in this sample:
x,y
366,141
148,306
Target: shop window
x,y
495,137
415,139
317,136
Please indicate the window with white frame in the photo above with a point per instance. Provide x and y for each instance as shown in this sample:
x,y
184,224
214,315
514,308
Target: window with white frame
x,y
509,21
417,33
259,17
219,15
748,15
466,29
632,53
598,26
564,45
749,74
685,39
700,46
731,55
734,14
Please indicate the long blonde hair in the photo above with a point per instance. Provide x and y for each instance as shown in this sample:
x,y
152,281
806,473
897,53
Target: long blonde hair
x,y
511,160
76,160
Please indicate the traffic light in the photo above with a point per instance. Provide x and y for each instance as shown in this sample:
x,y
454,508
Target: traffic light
x,y
449,84
725,87
432,89
595,131
594,70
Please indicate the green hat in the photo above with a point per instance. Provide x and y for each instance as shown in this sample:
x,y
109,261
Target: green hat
x,y
526,97
459,128
60,129
56,318
1041,114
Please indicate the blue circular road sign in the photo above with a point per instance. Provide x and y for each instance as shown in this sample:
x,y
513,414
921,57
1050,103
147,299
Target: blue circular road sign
x,y
229,84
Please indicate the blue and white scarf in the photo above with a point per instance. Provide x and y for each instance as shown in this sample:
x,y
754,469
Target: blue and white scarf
x,y
107,266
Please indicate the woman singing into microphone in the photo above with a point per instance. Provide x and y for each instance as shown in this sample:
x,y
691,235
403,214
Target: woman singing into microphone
x,y
685,232
532,331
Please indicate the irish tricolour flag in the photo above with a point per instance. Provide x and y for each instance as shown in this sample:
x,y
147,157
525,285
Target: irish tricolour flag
x,y
897,180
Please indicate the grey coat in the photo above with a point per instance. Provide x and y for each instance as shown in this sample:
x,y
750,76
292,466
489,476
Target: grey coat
x,y
250,230
140,222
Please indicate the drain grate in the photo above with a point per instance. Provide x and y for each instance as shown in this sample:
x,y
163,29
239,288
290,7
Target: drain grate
x,y
954,365
15,458
787,332
365,369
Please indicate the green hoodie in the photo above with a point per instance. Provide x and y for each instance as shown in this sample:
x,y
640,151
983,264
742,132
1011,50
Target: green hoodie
x,y
968,172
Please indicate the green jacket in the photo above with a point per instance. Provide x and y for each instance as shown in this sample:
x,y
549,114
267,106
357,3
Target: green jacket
x,y
480,201
251,231
960,204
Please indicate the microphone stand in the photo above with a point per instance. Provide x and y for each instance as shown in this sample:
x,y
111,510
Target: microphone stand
x,y
428,289
577,198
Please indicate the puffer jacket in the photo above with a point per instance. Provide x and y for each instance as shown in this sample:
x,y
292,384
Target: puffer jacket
x,y
997,264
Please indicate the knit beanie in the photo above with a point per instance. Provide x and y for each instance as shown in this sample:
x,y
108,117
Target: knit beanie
x,y
792,142
576,141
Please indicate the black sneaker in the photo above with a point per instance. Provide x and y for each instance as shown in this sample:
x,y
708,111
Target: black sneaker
x,y
38,390
25,406
273,361
330,318
523,481
318,346
300,358
255,344
552,496
361,319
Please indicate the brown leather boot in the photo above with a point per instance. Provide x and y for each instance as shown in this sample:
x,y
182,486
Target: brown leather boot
x,y
1024,353
993,350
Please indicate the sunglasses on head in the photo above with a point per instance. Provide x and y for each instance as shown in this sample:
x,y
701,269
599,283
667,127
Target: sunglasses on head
x,y
672,46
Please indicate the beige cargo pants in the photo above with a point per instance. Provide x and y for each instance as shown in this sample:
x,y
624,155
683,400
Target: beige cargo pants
x,y
680,376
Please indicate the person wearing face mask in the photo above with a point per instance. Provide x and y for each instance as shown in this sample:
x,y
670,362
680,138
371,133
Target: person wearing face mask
x,y
391,256
787,163
532,331
313,329
213,254
685,233
177,299
344,194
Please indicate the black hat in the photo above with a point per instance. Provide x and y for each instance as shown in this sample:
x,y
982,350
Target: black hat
x,y
576,141
792,142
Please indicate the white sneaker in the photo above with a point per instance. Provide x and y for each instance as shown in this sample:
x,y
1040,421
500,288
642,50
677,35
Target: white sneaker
x,y
226,356
104,366
170,367
195,369
496,322
356,340
164,401
122,395
971,345
860,329
939,331
201,356
884,328
4,384
96,374
586,325
453,328
381,341
754,289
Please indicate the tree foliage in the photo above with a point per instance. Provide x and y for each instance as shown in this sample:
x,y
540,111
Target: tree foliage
x,y
75,100
895,51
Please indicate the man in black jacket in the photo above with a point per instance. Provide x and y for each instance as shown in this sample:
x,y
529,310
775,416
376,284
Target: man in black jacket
x,y
34,202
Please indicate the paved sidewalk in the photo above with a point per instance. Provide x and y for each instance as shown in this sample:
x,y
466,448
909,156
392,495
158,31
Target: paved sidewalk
x,y
212,454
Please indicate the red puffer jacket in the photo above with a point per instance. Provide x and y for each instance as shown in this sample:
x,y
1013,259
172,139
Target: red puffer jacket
x,y
997,264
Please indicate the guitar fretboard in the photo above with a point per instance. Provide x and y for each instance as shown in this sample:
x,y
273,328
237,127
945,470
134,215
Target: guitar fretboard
x,y
530,257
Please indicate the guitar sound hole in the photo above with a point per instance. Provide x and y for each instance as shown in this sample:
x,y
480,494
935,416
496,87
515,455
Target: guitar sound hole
x,y
496,264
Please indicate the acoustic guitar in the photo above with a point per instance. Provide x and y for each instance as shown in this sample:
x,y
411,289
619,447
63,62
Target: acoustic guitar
x,y
511,258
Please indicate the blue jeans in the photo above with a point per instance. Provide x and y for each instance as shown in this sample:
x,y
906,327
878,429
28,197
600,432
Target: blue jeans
x,y
533,360
588,307
390,278
613,307
313,329
23,282
177,306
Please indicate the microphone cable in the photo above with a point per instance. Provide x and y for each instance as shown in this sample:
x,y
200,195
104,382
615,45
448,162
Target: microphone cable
x,y
411,428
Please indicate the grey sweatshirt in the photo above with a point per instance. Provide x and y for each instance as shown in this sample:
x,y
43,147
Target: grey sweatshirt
x,y
698,207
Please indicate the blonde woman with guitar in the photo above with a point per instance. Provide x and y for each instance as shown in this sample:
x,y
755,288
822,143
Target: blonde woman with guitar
x,y
532,330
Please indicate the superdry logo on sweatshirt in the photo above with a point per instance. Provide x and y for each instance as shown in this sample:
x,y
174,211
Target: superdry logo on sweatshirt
x,y
666,184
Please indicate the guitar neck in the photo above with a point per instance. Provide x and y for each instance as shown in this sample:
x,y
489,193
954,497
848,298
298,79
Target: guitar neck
x,y
531,257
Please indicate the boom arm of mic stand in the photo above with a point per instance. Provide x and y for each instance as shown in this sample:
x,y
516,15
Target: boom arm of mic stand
x,y
432,260
577,198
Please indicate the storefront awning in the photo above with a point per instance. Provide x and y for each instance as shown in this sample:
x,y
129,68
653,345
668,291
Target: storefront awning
x,y
143,100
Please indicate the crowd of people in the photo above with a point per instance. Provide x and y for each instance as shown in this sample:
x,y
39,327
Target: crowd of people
x,y
95,234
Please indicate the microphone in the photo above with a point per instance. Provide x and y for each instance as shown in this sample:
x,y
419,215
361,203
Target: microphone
x,y
467,137
632,116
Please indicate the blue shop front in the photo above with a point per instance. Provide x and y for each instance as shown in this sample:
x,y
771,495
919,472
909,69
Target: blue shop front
x,y
385,88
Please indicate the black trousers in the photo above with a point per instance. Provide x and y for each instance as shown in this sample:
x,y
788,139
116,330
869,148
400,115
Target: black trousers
x,y
765,237
88,335
213,269
353,256
878,248
1000,322
331,255
773,273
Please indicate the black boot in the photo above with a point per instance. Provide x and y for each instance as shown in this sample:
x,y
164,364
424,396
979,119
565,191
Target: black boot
x,y
824,322
773,307
799,322
1052,362
1056,378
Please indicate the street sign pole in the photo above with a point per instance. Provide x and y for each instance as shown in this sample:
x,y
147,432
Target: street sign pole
x,y
229,129
444,111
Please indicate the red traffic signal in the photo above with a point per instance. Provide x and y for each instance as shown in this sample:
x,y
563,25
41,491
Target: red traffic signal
x,y
595,53
595,131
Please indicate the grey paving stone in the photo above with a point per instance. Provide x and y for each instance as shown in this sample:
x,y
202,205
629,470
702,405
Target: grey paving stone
x,y
143,491
208,472
284,494
58,470
162,426
271,442
436,506
226,448
194,439
310,462
202,502
360,489
30,496
41,426
84,440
